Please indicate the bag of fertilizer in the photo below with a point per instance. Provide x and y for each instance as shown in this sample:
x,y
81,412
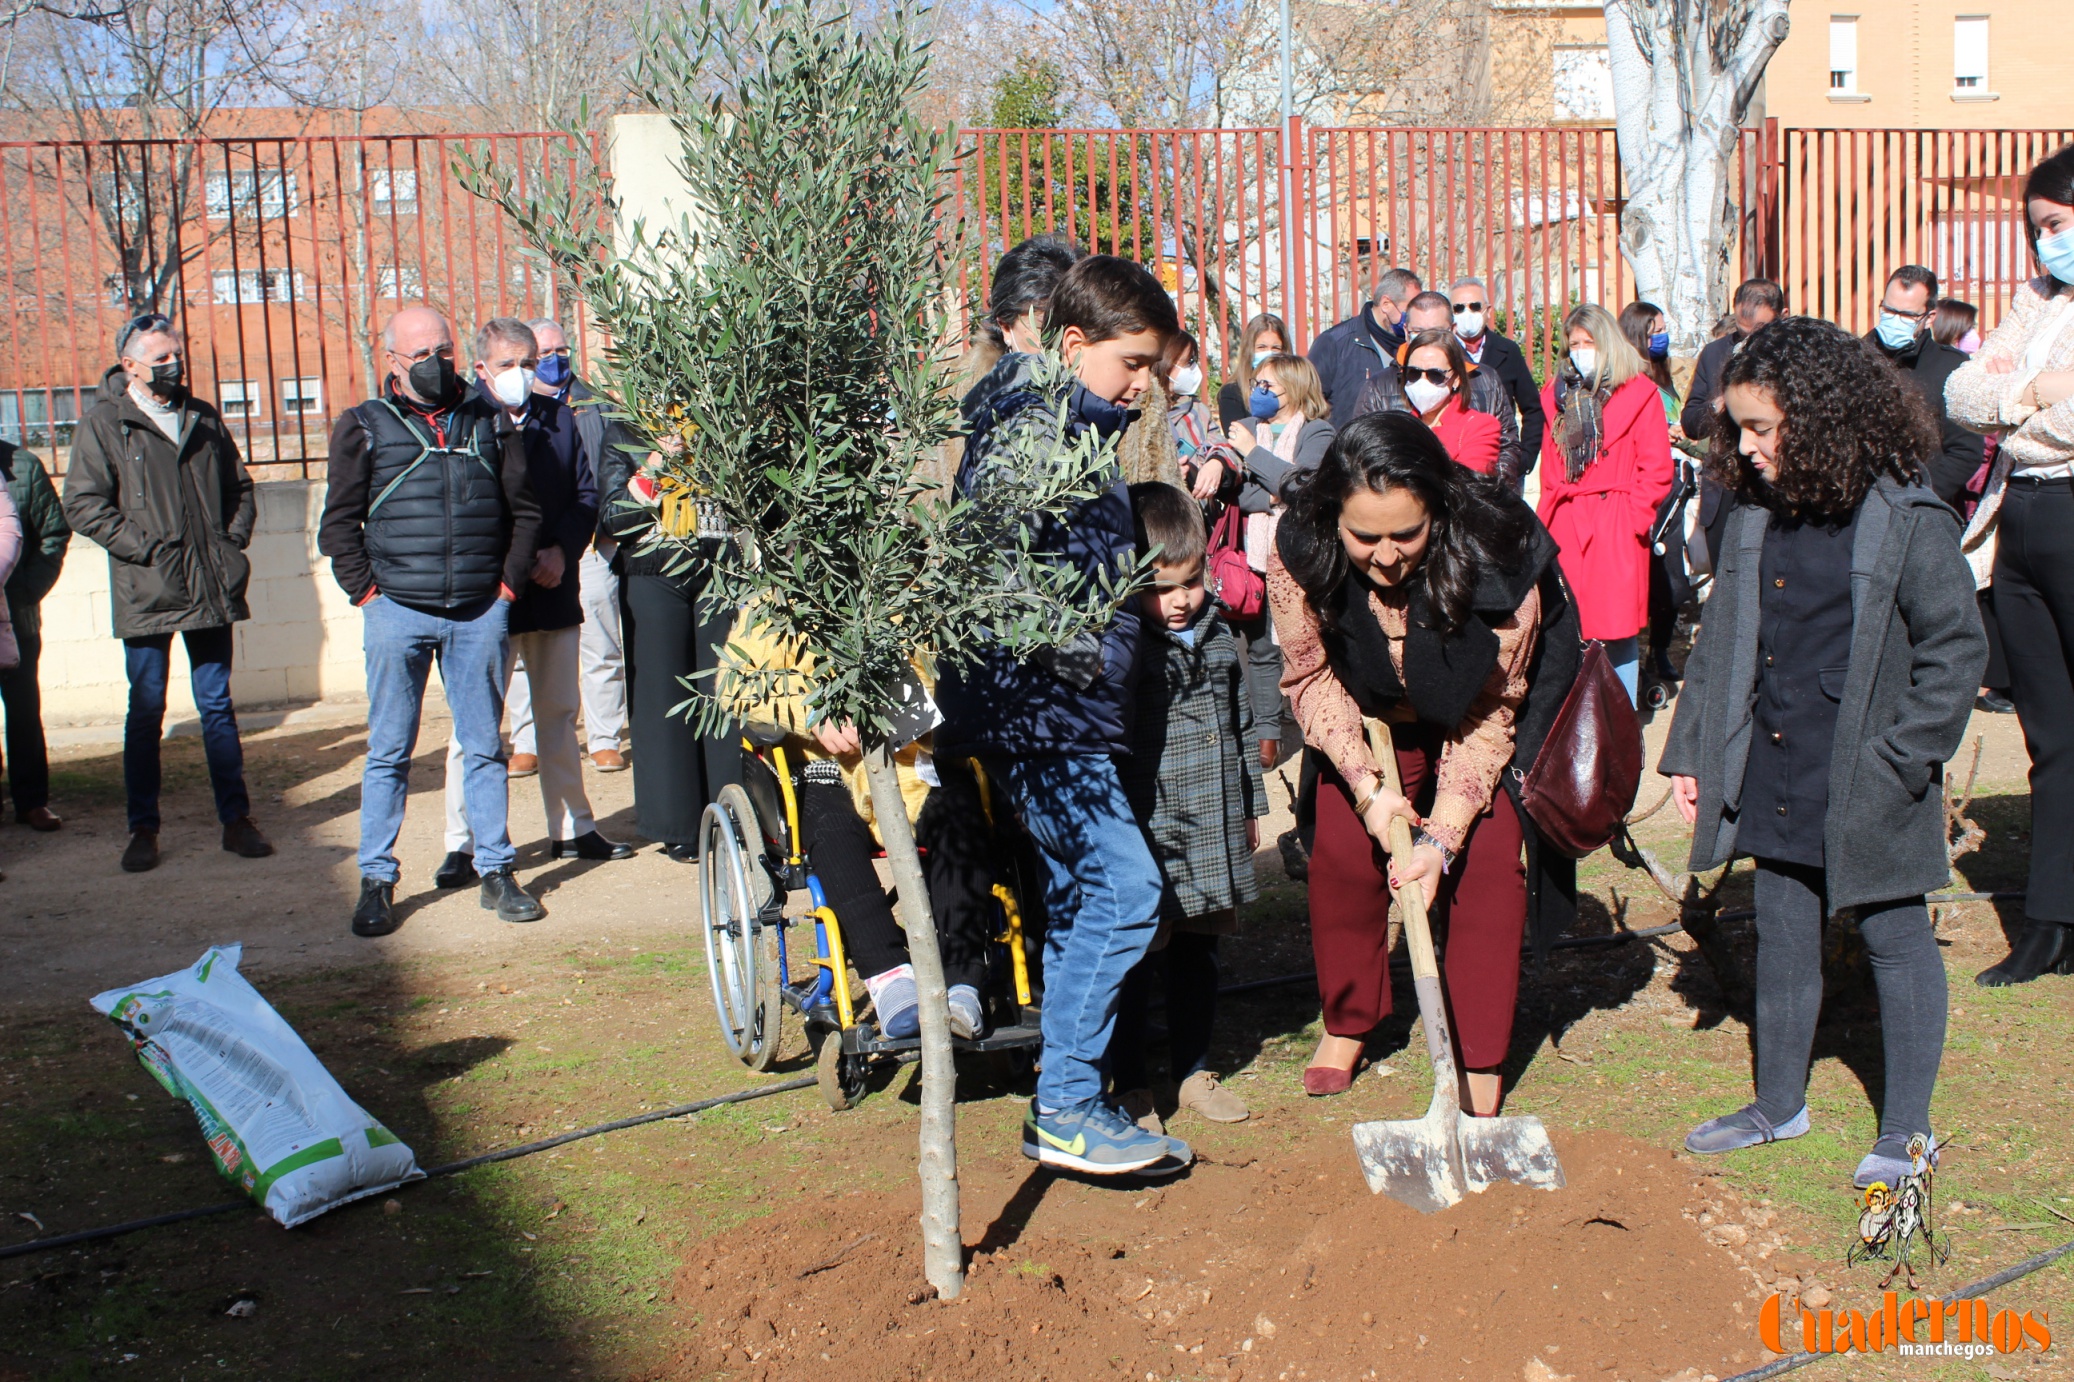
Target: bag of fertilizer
x,y
278,1125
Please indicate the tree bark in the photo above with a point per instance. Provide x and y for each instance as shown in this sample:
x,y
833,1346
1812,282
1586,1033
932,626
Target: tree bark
x,y
943,1252
1684,73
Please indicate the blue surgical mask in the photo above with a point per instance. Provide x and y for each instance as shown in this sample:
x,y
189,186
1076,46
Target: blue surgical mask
x,y
1895,333
1263,404
2056,253
555,371
1260,357
1660,345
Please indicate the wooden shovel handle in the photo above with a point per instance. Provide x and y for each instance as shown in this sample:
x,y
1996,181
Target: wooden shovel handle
x,y
1411,901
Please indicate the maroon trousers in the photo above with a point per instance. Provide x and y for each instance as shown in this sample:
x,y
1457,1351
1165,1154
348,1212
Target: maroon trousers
x,y
1478,917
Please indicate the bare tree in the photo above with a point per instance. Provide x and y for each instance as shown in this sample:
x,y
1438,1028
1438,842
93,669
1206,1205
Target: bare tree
x,y
531,66
1684,73
143,77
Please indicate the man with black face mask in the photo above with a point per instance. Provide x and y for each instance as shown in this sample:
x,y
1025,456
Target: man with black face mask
x,y
156,479
431,526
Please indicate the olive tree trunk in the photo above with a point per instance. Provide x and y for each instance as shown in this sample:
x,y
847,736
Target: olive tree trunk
x,y
943,1252
1684,73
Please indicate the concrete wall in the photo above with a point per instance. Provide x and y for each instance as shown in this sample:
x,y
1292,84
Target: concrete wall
x,y
301,644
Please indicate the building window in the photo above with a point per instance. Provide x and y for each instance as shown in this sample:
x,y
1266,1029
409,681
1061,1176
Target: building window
x,y
1970,55
244,191
35,417
1843,54
238,397
302,396
392,281
394,189
237,288
1583,82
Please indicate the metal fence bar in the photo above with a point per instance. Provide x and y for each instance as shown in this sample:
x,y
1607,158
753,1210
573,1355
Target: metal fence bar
x,y
321,236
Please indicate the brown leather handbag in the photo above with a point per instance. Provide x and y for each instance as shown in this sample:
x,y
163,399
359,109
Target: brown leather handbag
x,y
1584,778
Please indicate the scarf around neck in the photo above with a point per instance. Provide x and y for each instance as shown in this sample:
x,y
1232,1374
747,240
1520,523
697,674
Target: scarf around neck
x,y
1583,418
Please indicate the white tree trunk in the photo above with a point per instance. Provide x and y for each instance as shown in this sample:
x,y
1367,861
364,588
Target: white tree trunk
x,y
1684,72
942,1250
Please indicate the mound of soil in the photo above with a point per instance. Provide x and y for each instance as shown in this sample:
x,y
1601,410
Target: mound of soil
x,y
1263,1271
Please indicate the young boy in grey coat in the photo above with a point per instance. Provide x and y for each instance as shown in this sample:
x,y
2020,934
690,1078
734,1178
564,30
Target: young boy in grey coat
x,y
1194,783
1831,680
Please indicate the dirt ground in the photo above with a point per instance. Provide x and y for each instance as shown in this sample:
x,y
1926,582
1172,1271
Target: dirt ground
x,y
750,1241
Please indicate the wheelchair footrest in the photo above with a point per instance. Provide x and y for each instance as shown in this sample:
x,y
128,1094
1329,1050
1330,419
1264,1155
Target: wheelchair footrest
x,y
863,1040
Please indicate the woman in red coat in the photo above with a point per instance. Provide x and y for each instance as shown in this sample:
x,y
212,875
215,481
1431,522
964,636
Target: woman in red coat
x,y
1605,466
1435,378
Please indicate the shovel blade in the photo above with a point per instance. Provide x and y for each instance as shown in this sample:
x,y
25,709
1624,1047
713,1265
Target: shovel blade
x,y
1415,1161
1508,1149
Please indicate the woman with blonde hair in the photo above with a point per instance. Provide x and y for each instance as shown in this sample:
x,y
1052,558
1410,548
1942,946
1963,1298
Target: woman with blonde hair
x,y
1289,423
1606,466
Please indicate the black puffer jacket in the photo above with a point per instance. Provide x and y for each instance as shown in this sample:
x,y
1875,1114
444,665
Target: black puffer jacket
x,y
433,510
174,516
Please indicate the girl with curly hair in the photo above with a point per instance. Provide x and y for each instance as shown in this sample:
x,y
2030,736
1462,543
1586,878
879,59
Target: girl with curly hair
x,y
1830,682
1412,589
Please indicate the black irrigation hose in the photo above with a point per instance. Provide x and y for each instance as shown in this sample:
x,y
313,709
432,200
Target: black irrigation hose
x,y
1794,1361
740,1096
66,1240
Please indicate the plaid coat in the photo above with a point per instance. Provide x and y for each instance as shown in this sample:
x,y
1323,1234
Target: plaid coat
x,y
1192,776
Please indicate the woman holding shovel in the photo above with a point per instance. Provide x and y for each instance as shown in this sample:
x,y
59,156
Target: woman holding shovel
x,y
1831,680
1409,589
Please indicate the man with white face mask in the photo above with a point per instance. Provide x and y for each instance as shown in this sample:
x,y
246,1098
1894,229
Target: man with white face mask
x,y
431,524
1494,353
547,618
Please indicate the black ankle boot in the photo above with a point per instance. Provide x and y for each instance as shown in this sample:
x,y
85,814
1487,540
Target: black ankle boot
x,y
2040,947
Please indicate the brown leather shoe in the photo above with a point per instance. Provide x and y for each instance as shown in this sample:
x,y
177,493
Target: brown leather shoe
x,y
42,818
609,761
142,854
522,765
242,837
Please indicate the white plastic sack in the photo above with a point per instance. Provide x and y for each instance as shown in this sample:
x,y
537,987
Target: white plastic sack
x,y
278,1125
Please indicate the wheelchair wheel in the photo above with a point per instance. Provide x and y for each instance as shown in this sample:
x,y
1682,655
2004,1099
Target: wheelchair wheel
x,y
741,950
840,1076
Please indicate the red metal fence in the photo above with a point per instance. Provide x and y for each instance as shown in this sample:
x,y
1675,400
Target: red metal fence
x,y
282,255
279,256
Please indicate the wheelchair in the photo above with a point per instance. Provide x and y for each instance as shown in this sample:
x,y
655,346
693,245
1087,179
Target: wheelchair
x,y
751,861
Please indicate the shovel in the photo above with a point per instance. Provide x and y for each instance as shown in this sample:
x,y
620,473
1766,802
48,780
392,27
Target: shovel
x,y
1430,1163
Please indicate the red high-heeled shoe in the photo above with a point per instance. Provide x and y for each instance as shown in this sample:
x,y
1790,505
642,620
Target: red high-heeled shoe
x,y
1320,1081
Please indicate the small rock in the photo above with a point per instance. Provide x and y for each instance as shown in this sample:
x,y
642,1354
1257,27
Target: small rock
x,y
1264,1327
392,1206
1538,1371
1730,1235
1815,1295
244,1307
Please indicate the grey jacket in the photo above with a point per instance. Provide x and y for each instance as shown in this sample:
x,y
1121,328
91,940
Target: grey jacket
x,y
1917,652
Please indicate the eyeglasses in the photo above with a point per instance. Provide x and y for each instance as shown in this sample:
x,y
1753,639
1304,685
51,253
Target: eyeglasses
x,y
562,351
445,352
1431,376
1462,307
1907,316
150,324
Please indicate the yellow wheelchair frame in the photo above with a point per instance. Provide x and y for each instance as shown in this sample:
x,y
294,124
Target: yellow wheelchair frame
x,y
752,834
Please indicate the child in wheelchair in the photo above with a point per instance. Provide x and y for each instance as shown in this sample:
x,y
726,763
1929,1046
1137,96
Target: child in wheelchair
x,y
838,835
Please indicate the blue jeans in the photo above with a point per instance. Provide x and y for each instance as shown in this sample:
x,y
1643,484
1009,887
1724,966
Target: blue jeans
x,y
1102,907
148,661
401,645
1626,656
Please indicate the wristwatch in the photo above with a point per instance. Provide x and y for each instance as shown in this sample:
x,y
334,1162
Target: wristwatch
x,y
1447,856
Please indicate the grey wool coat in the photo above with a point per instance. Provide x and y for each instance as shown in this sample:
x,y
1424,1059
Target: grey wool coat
x,y
1193,773
1917,652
